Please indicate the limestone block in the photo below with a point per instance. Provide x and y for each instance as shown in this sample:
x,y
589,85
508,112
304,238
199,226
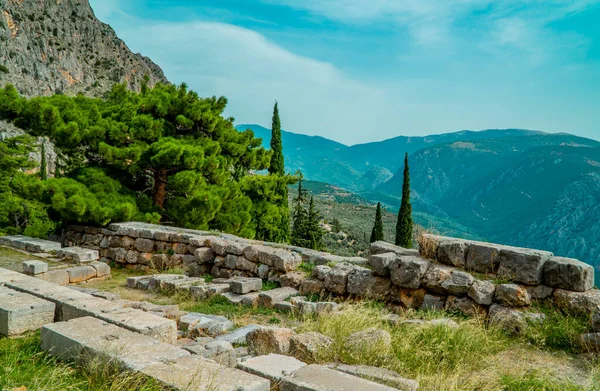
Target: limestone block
x,y
408,271
200,325
78,254
263,271
336,280
465,305
432,302
238,336
21,312
362,282
381,247
144,245
512,295
320,272
285,307
378,375
508,319
434,278
577,303
267,340
81,273
272,366
452,252
312,287
242,286
380,263
244,264
483,257
292,279
522,265
482,292
539,292
35,267
310,347
568,273
409,298
102,269
320,378
459,283
221,352
270,298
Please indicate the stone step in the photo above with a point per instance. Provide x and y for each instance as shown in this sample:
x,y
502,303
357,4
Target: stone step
x,y
34,267
89,338
21,312
272,366
33,245
71,304
320,378
78,254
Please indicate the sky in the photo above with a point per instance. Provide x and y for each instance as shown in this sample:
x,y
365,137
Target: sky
x,y
357,71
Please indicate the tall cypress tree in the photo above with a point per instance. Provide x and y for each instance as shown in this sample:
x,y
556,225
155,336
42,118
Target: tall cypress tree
x,y
315,232
300,219
377,232
404,226
276,166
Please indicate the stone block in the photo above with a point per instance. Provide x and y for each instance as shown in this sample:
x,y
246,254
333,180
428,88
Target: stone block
x,y
312,287
381,247
482,292
285,307
408,271
483,257
432,302
568,273
78,254
522,265
320,378
201,325
267,340
336,280
244,264
465,305
378,375
596,320
35,267
459,283
321,272
270,298
263,271
204,292
21,312
539,292
81,273
508,319
242,286
512,295
434,278
272,366
292,279
277,258
368,341
250,299
409,298
102,269
221,352
380,263
238,336
144,245
310,347
362,282
452,252
577,303
233,298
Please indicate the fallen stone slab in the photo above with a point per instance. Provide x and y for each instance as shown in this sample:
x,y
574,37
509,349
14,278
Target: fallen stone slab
x,y
381,247
35,267
378,375
272,366
58,277
21,312
32,245
221,352
78,254
568,273
270,298
238,336
310,347
102,269
81,273
241,286
199,325
266,340
165,311
98,293
578,303
321,378
204,292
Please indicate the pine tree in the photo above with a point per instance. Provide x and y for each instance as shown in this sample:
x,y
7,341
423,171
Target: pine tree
x,y
377,232
277,164
404,225
315,232
44,162
300,219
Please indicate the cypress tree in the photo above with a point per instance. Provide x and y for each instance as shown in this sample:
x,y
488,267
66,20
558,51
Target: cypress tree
x,y
300,219
44,162
276,166
377,232
404,226
315,232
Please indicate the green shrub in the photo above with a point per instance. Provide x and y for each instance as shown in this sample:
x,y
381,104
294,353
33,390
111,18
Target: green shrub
x,y
3,69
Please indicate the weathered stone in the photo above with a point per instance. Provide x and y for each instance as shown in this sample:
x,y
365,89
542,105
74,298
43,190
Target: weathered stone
x,y
409,298
369,340
310,347
459,283
246,265
157,281
408,271
482,292
285,307
102,269
230,261
522,265
305,307
363,283
250,299
270,298
144,245
81,273
35,267
577,303
272,366
21,312
117,254
233,298
327,307
568,273
428,245
512,295
145,259
242,286
378,375
267,340
336,280
464,305
58,277
179,248
381,247
434,278
432,302
127,243
292,279
508,319
198,325
221,352
483,257
320,378
132,282
263,271
591,342
204,292
312,287
596,320
238,336
320,272
380,263
539,292
452,252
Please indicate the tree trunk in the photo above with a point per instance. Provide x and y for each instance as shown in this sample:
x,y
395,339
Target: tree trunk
x,y
160,188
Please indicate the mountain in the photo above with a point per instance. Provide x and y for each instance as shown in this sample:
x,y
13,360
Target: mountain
x,y
52,46
511,186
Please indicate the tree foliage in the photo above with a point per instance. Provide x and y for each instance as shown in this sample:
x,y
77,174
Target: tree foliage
x,y
306,228
377,232
163,155
404,226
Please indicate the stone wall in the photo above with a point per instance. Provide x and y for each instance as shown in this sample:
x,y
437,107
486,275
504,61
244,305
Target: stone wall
x,y
468,276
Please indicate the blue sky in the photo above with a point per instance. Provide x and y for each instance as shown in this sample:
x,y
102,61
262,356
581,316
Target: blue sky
x,y
364,70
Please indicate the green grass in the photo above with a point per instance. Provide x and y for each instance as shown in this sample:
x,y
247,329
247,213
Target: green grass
x,y
24,364
307,267
532,381
269,285
12,259
219,305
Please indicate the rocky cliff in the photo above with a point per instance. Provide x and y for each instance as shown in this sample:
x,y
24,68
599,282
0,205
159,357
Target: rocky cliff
x,y
50,46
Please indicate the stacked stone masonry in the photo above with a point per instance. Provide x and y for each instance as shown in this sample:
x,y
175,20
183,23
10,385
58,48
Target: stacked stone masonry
x,y
449,273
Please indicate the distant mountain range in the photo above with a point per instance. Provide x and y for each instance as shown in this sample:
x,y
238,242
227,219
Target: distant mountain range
x,y
511,186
